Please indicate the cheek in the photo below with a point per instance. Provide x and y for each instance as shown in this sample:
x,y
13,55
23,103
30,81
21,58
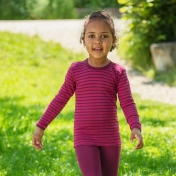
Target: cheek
x,y
88,42
109,43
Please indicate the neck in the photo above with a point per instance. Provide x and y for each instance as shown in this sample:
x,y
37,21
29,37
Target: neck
x,y
98,63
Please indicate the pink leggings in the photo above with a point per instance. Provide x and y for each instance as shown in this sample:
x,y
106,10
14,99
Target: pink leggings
x,y
98,161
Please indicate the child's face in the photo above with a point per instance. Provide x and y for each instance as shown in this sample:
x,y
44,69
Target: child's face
x,y
98,39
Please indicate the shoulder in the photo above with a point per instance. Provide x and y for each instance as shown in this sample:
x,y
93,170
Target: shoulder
x,y
77,65
119,69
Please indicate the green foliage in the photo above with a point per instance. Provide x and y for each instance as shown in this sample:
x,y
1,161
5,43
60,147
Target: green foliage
x,y
168,77
48,9
150,21
59,9
95,3
36,9
16,9
32,73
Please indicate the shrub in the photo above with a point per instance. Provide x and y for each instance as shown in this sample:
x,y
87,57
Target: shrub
x,y
95,3
15,9
59,9
36,9
150,21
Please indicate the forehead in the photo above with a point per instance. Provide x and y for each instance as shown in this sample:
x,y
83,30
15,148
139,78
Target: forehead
x,y
97,25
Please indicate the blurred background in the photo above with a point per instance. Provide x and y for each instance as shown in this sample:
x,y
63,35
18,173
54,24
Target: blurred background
x,y
39,39
52,9
149,22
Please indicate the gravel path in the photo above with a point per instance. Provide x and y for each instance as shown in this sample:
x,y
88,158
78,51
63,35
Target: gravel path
x,y
67,33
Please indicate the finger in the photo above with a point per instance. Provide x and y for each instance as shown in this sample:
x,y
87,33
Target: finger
x,y
140,141
39,143
139,145
36,142
38,147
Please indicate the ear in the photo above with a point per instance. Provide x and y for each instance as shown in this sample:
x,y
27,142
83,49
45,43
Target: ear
x,y
83,42
114,40
113,43
82,39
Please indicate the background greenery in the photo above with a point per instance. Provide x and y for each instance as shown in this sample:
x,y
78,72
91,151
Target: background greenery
x,y
151,21
95,3
16,9
36,9
32,72
48,9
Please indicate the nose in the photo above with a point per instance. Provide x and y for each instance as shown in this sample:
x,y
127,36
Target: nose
x,y
97,42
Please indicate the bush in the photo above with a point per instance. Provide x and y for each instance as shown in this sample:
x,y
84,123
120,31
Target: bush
x,y
59,9
95,3
150,21
36,9
15,9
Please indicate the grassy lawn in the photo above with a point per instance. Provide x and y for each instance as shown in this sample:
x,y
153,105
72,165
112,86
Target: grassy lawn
x,y
32,72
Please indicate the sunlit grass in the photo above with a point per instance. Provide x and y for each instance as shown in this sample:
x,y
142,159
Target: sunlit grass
x,y
158,155
32,72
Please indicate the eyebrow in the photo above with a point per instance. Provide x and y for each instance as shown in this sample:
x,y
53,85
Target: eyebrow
x,y
100,32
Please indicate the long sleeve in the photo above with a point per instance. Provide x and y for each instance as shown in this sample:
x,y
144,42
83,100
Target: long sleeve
x,y
126,101
60,100
96,89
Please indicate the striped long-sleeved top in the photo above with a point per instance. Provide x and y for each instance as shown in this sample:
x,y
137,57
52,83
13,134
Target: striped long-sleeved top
x,y
96,91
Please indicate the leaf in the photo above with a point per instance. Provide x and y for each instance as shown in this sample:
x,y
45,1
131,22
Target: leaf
x,y
123,9
122,1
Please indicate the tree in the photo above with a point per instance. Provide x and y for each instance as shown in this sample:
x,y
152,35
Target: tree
x,y
15,9
150,21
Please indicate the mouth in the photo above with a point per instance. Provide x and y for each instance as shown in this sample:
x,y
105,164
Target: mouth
x,y
97,49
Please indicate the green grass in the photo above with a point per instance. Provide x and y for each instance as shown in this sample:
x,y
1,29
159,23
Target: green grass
x,y
32,72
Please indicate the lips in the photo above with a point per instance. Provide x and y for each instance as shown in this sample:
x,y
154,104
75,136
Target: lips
x,y
97,49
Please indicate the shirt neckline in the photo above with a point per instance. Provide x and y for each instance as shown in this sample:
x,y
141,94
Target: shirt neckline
x,y
97,68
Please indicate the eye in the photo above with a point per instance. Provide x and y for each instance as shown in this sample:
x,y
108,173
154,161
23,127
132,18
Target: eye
x,y
91,36
104,36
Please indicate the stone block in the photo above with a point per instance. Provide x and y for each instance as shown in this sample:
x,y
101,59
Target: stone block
x,y
164,55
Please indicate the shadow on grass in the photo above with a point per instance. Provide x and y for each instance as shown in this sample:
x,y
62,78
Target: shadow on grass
x,y
144,163
16,115
18,157
151,121
157,115
158,155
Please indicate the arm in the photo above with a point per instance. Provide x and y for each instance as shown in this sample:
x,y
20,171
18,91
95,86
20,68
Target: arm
x,y
128,106
54,108
58,103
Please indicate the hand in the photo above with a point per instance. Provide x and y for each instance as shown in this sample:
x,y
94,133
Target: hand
x,y
37,138
136,133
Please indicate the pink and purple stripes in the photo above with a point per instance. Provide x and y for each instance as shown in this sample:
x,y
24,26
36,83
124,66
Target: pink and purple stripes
x,y
96,90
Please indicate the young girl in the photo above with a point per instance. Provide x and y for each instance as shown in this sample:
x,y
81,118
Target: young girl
x,y
96,82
